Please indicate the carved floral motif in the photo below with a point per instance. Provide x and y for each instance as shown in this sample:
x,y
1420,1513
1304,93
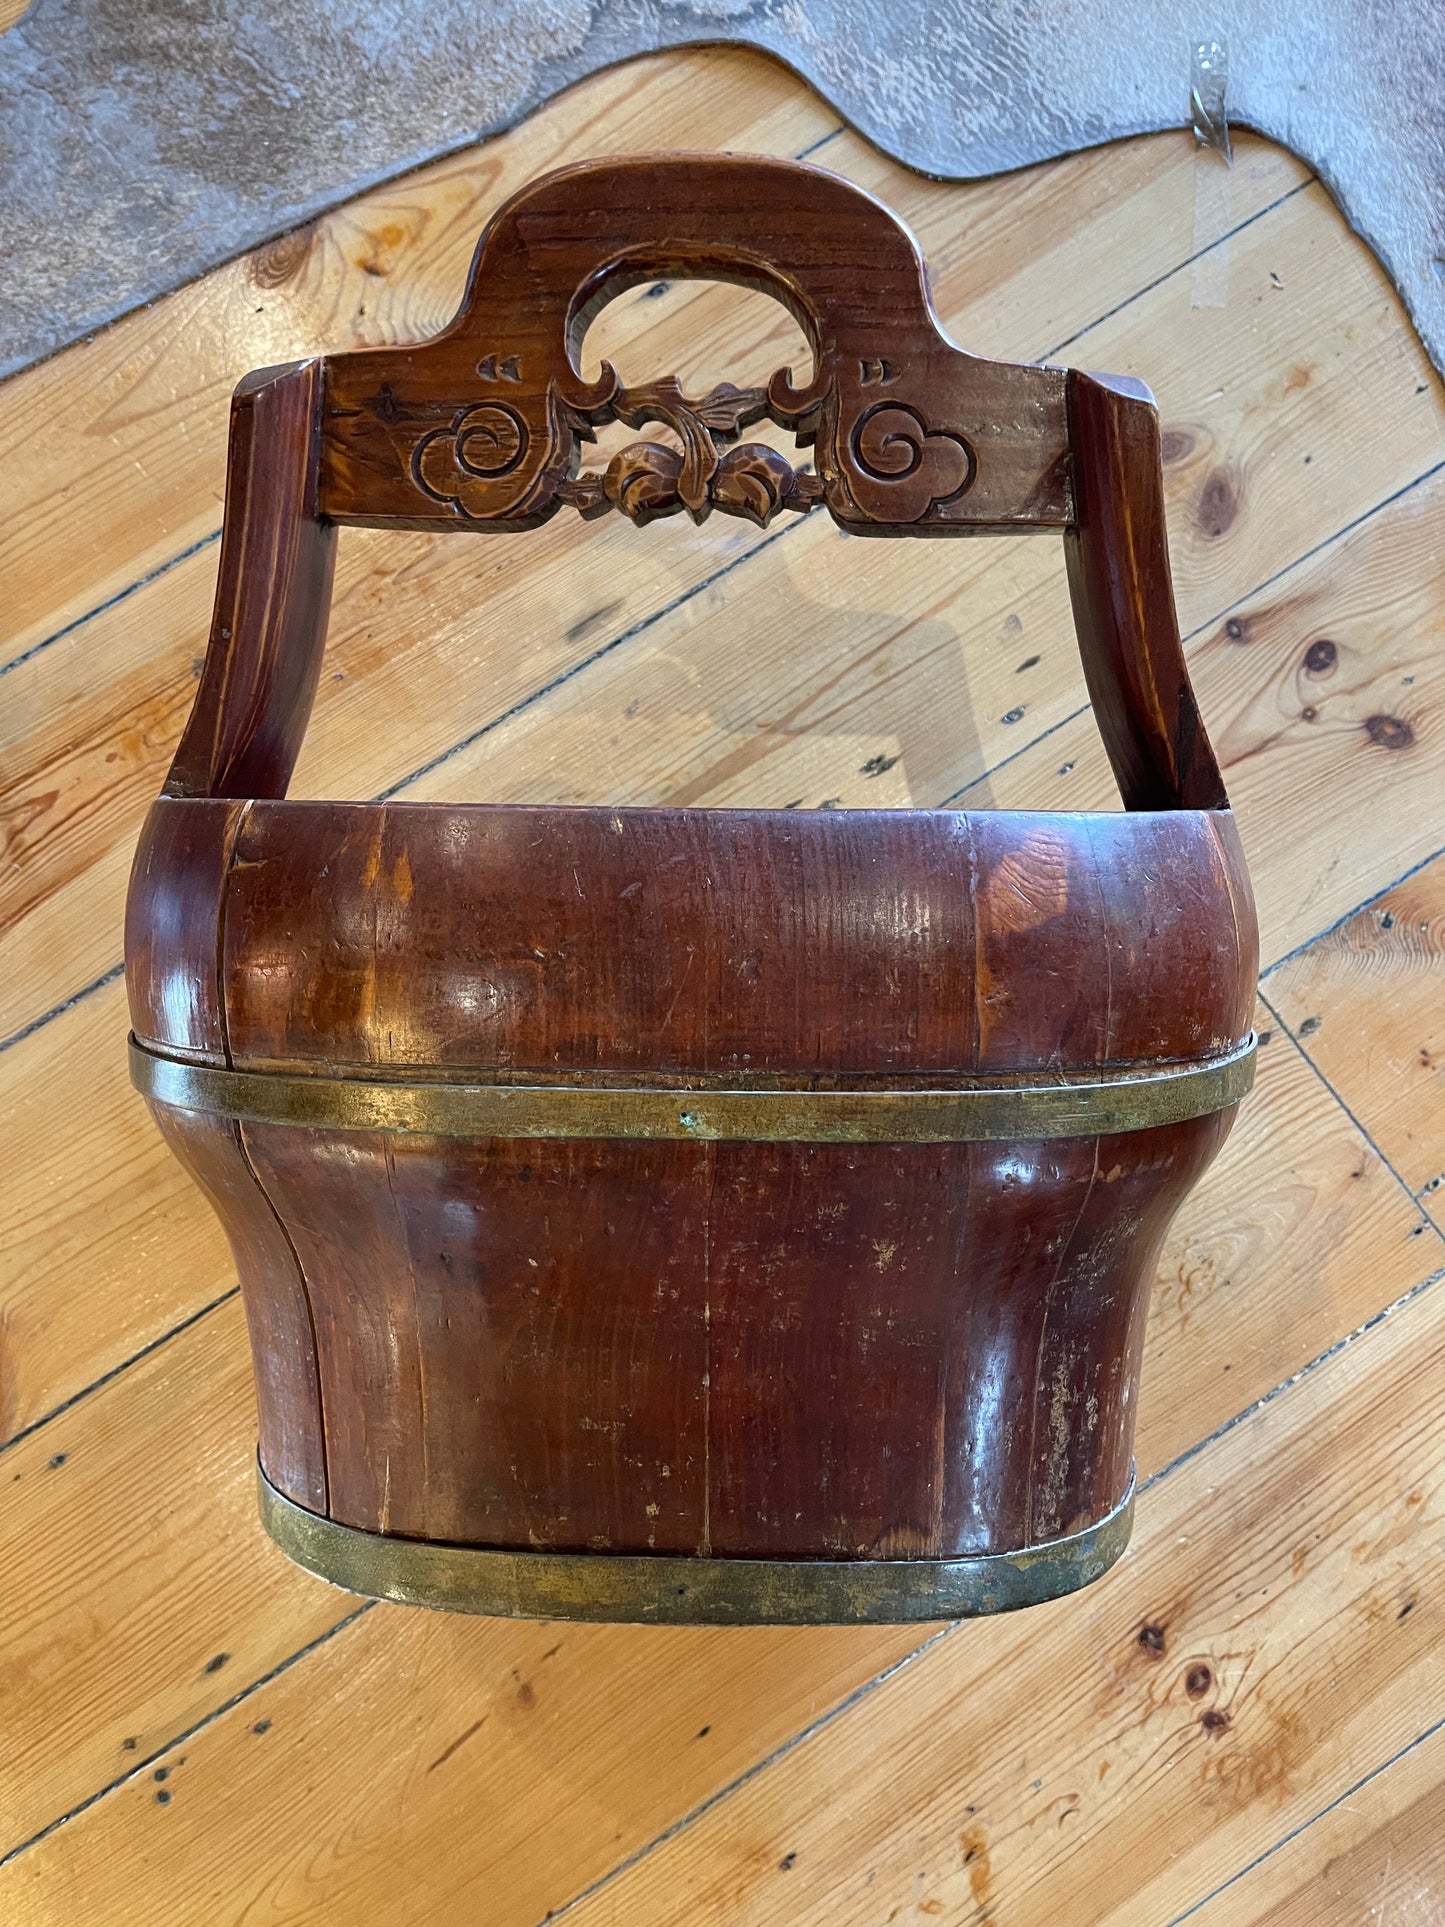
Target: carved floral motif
x,y
894,468
645,481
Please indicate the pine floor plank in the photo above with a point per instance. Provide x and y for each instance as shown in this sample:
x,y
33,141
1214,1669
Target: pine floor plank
x,y
1335,777
1298,1235
1375,1858
107,1244
1366,1005
139,1593
123,437
823,654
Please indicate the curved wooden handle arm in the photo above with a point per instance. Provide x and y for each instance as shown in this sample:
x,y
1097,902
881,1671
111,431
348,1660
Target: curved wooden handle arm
x,y
1123,596
273,595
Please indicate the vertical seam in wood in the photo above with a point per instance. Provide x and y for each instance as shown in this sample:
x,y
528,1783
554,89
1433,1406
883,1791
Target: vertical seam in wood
x,y
977,937
222,1018
1043,1333
1108,930
250,1164
704,1548
961,1160
1221,856
389,1162
967,1155
245,1152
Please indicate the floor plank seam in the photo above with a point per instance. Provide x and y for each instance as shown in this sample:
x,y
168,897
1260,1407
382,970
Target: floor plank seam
x,y
111,602
823,140
214,535
1280,1599
479,140
794,1740
1427,1223
179,1739
1024,749
1307,1370
1305,1825
59,1010
749,1773
1119,307
1325,542
1340,921
1210,623
638,628
1169,273
117,1370
870,1686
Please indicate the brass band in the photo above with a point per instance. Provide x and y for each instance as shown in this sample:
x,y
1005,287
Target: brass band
x,y
1071,1105
663,1589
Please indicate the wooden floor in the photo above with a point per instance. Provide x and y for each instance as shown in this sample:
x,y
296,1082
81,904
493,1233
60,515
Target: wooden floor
x,y
1245,1722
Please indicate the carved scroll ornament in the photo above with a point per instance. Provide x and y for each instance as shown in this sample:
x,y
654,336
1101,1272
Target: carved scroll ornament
x,y
893,468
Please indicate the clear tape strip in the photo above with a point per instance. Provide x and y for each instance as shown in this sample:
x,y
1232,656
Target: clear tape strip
x,y
1213,163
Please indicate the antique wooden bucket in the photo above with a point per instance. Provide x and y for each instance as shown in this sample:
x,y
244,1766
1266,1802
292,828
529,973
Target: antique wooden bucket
x,y
734,1215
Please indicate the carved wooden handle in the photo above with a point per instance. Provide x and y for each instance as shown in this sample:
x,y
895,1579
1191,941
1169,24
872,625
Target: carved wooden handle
x,y
483,428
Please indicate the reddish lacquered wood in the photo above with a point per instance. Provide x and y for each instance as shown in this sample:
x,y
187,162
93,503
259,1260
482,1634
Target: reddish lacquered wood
x,y
173,963
713,1348
482,425
859,1312
291,1438
891,943
178,883
1118,562
272,597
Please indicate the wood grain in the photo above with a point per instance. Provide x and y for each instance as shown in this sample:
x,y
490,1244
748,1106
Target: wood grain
x,y
1271,1633
144,404
486,1314
1284,1249
1294,1182
123,430
480,426
1278,1558
1365,1004
1292,1242
114,1647
104,1249
942,678
1375,1854
89,752
731,1349
1344,745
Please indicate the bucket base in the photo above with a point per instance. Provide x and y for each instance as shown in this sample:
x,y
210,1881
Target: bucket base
x,y
662,1589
